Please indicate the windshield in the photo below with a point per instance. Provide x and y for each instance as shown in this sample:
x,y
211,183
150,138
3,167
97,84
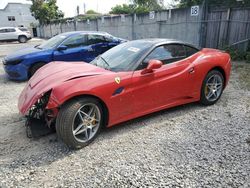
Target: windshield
x,y
53,42
122,57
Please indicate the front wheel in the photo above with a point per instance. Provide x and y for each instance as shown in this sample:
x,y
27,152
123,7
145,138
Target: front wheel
x,y
212,88
35,68
79,122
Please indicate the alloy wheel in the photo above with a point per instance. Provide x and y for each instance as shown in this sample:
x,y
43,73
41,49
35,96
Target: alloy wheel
x,y
86,122
213,88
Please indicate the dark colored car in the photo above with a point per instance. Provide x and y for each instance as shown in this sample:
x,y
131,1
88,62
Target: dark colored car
x,y
72,46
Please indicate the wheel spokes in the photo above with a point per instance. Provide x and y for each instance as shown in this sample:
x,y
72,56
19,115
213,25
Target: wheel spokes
x,y
219,86
214,85
80,131
80,115
210,94
91,111
76,131
87,121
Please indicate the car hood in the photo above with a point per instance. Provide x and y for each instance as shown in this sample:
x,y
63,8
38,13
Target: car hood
x,y
23,52
52,75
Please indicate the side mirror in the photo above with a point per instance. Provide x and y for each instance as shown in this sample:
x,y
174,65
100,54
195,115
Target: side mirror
x,y
61,48
152,65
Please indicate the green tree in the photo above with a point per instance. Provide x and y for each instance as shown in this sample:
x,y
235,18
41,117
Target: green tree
x,y
150,4
91,12
45,11
188,3
122,9
137,6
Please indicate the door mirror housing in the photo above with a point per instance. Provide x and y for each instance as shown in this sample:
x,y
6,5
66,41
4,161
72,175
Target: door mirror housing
x,y
61,48
152,65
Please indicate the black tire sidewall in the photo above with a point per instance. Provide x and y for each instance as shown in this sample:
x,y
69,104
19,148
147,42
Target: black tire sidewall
x,y
34,68
66,117
203,99
19,39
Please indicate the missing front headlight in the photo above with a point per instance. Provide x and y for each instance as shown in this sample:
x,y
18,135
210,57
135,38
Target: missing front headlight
x,y
38,109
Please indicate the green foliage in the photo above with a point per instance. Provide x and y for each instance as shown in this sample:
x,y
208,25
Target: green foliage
x,y
123,9
236,55
91,12
88,17
45,11
188,3
248,57
137,6
149,4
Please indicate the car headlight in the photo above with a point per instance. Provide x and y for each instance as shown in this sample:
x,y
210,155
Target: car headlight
x,y
14,62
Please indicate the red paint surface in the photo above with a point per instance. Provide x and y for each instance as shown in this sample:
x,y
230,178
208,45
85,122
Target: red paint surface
x,y
168,86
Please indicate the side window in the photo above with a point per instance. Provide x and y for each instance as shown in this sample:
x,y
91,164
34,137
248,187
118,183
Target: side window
x,y
94,39
10,30
75,41
177,51
190,51
160,53
2,30
167,53
109,39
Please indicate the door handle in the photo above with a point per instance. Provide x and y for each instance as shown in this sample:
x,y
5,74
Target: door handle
x,y
191,70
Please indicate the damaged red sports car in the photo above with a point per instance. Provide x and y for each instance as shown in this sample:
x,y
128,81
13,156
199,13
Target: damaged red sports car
x,y
130,80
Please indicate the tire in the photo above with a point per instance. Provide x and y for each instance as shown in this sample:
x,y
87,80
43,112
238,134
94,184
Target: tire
x,y
22,39
70,117
34,68
212,90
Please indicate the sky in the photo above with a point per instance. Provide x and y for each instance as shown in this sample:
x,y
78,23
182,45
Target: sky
x,y
69,6
102,6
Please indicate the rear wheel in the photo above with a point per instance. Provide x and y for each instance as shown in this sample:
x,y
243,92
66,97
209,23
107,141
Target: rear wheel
x,y
79,122
34,68
212,88
22,39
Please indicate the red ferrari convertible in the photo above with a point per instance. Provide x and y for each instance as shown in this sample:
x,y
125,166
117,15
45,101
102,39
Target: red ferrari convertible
x,y
131,80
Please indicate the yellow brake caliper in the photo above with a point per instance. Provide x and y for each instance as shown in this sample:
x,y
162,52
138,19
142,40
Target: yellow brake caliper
x,y
93,121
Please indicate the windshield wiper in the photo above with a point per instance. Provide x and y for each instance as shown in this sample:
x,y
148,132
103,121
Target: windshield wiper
x,y
105,61
38,47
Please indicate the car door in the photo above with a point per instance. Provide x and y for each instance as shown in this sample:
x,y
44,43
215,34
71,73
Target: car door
x,y
145,92
76,49
11,34
2,34
166,85
7,34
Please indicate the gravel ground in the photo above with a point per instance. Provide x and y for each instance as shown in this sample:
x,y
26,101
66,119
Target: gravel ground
x,y
186,146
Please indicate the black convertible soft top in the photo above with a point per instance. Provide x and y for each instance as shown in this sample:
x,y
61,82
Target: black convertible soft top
x,y
162,41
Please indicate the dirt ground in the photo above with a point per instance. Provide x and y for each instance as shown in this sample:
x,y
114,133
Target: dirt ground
x,y
186,146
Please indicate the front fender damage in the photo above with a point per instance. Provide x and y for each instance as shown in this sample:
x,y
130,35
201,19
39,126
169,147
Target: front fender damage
x,y
41,119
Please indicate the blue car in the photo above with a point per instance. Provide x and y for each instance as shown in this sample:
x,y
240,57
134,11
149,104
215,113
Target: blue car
x,y
72,46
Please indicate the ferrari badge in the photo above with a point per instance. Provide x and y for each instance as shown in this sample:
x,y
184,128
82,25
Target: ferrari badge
x,y
117,80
